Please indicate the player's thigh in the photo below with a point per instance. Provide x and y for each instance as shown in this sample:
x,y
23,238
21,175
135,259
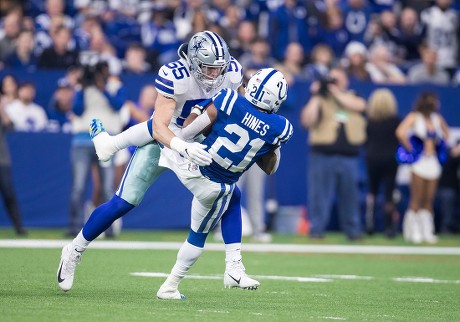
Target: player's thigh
x,y
140,173
209,203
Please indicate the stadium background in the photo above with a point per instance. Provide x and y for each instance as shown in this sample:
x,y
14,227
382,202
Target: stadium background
x,y
42,173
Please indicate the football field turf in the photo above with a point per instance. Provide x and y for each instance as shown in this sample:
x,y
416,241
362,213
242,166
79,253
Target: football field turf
x,y
116,285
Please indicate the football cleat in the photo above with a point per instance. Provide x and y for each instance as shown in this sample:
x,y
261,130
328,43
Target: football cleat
x,y
167,292
102,140
235,277
70,257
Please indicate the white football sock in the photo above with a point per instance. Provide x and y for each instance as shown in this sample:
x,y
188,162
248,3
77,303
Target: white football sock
x,y
136,135
233,252
186,257
80,242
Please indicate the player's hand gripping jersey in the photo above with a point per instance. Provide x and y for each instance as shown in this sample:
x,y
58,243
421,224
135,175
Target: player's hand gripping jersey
x,y
241,134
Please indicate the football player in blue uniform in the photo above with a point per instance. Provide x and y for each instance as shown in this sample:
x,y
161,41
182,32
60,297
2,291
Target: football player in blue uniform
x,y
203,69
245,129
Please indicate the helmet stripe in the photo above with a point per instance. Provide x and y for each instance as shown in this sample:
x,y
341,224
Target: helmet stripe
x,y
213,39
261,86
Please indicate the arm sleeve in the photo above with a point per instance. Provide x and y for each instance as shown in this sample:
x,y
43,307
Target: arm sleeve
x,y
195,128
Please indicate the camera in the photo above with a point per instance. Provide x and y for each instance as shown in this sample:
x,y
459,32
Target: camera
x,y
92,72
324,81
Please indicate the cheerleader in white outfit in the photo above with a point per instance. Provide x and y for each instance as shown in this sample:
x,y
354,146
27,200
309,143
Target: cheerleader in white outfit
x,y
422,134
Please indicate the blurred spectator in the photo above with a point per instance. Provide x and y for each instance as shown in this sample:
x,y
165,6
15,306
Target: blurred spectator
x,y
96,99
292,65
288,23
379,6
142,110
100,49
54,8
357,15
381,68
246,35
59,56
448,192
216,12
8,90
442,32
185,17
23,57
333,32
259,57
24,113
425,125
322,58
410,36
159,37
382,31
11,29
135,60
199,23
380,146
337,130
6,182
428,70
60,108
356,62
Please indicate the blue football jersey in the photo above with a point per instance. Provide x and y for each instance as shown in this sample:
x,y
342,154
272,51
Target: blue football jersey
x,y
241,134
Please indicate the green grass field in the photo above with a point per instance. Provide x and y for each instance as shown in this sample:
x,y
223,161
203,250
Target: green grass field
x,y
105,290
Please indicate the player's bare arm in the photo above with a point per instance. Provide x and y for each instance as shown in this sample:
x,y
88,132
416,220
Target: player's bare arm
x,y
163,115
269,162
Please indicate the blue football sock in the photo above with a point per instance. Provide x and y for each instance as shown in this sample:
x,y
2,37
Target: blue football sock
x,y
104,216
231,219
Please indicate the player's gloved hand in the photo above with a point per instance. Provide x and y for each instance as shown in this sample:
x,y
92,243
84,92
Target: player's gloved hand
x,y
194,151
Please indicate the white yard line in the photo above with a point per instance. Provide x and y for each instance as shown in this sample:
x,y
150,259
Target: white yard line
x,y
415,279
247,247
219,277
305,279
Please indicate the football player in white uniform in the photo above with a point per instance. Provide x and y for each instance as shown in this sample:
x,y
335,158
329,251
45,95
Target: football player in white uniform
x,y
245,130
204,68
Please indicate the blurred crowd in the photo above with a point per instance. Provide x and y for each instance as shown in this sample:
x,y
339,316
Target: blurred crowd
x,y
96,42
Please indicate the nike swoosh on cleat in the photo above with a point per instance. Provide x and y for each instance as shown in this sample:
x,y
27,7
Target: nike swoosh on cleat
x,y
79,251
236,280
60,280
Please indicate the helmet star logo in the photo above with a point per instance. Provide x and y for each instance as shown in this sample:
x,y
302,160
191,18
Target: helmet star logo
x,y
198,44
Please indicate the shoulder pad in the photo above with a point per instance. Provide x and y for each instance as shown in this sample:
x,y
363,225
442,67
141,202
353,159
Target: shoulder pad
x,y
173,78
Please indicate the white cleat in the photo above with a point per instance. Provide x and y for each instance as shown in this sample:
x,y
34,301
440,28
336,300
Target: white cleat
x,y
70,257
167,292
103,142
236,277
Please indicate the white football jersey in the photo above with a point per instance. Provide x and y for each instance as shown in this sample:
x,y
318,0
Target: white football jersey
x,y
442,34
176,81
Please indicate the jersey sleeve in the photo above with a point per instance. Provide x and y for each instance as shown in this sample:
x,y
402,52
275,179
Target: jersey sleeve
x,y
224,100
235,73
286,131
172,79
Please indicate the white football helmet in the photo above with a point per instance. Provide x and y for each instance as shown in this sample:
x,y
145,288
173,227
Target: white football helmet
x,y
209,57
267,89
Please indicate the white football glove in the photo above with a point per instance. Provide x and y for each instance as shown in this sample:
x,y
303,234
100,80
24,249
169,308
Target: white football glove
x,y
193,151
